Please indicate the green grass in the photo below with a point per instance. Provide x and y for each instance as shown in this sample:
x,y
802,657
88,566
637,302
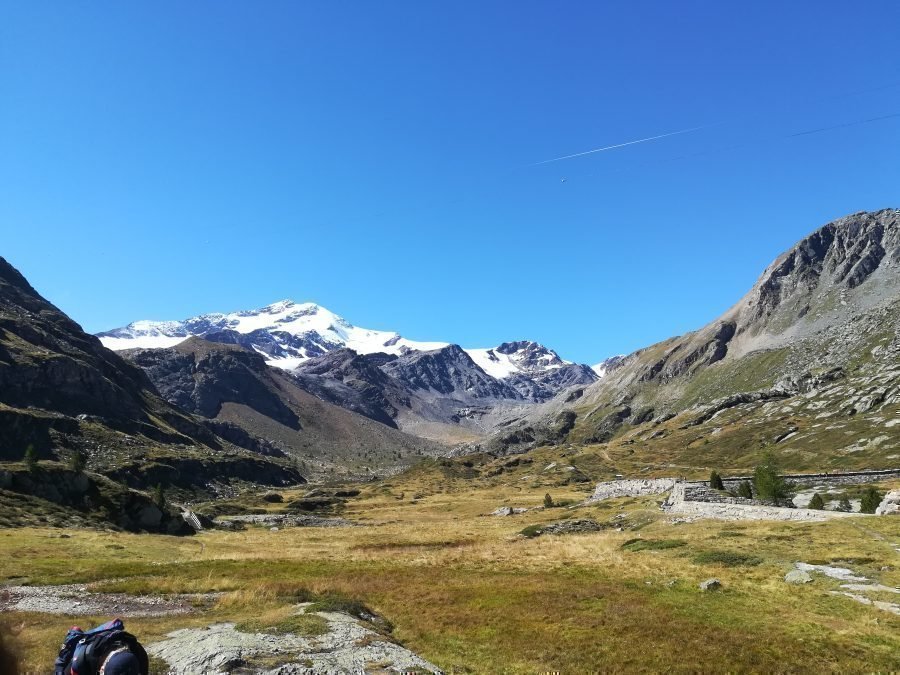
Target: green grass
x,y
306,625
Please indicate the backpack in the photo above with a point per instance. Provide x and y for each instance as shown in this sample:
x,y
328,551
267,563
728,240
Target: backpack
x,y
82,652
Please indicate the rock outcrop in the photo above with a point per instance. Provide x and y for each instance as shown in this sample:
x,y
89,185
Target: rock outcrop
x,y
346,647
890,505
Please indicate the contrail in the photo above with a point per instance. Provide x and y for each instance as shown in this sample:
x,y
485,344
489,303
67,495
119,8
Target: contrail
x,y
844,124
622,145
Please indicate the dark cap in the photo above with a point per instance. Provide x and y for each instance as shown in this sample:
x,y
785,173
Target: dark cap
x,y
121,663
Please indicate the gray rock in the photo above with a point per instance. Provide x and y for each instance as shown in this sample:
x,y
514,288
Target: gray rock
x,y
710,585
347,647
890,505
798,577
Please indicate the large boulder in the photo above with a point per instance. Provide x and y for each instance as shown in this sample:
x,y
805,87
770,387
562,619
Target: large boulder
x,y
890,505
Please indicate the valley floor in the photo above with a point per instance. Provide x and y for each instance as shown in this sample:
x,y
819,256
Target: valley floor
x,y
470,594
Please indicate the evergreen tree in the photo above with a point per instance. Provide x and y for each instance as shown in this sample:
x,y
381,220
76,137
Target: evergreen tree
x,y
548,501
30,459
817,502
715,481
871,498
78,461
744,490
767,483
845,505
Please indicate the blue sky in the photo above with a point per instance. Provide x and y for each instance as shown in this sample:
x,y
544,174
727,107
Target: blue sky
x,y
160,160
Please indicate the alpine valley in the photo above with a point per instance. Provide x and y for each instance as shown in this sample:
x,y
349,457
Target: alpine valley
x,y
349,500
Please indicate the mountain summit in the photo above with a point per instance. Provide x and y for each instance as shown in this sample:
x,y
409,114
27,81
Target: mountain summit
x,y
286,332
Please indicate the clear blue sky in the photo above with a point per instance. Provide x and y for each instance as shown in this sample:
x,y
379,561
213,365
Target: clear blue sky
x,y
162,159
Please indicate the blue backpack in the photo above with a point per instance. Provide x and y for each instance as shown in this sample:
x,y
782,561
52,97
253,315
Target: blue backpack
x,y
83,652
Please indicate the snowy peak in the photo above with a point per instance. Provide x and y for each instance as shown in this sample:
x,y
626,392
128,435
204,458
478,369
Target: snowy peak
x,y
286,332
511,358
289,333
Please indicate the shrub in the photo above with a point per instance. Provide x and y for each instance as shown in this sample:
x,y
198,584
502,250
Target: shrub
x,y
30,459
159,497
531,531
871,498
744,490
767,482
727,558
844,505
548,501
78,461
817,502
715,481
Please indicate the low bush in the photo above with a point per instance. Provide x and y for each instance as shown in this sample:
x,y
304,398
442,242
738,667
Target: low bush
x,y
531,531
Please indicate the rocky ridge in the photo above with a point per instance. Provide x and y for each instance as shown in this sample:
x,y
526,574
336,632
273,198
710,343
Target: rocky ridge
x,y
810,352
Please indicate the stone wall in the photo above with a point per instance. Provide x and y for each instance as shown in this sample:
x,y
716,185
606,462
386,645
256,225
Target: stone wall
x,y
811,479
631,488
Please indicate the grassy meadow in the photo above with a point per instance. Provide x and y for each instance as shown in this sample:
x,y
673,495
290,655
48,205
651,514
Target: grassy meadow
x,y
467,592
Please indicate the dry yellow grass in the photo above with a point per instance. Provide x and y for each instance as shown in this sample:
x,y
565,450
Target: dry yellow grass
x,y
467,592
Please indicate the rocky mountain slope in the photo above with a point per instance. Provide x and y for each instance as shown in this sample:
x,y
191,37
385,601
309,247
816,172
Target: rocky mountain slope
x,y
808,361
61,391
242,398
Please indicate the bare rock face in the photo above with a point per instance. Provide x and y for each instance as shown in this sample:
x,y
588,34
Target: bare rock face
x,y
449,371
199,379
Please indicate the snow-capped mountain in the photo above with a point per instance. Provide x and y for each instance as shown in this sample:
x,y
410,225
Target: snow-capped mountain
x,y
286,332
435,390
289,333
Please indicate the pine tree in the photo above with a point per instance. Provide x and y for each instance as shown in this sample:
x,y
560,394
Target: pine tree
x,y
817,502
30,459
744,490
548,501
845,505
871,498
715,481
767,483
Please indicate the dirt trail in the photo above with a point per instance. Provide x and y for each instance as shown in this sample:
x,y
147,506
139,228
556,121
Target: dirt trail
x,y
78,599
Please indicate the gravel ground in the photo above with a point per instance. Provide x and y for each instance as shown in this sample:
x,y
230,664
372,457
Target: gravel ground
x,y
77,599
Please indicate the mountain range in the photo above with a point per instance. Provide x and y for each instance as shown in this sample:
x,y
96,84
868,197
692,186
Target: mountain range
x,y
807,362
435,390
